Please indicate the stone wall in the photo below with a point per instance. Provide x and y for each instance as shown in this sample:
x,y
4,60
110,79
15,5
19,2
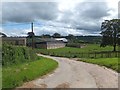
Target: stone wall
x,y
14,41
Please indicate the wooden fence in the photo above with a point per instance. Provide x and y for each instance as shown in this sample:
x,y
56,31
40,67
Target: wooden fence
x,y
105,54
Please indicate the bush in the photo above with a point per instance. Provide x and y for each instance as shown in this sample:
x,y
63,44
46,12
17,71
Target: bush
x,y
16,54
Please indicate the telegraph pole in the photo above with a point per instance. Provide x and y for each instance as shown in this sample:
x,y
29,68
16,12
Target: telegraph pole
x,y
32,35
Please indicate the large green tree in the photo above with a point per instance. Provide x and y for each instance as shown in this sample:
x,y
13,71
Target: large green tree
x,y
111,33
56,35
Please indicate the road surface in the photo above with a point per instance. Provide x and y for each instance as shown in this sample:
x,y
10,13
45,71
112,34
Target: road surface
x,y
75,74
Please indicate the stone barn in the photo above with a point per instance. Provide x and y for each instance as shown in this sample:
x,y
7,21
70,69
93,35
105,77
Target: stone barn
x,y
50,44
14,40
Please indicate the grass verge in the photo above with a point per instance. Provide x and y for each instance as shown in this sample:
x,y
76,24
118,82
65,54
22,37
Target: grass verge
x,y
107,62
16,75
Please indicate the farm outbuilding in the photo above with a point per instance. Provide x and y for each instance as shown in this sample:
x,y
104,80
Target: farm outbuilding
x,y
14,40
46,43
49,43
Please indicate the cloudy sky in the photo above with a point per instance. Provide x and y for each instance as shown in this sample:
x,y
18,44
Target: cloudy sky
x,y
77,17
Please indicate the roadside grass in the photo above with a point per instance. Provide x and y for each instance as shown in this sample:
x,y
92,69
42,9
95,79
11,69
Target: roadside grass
x,y
112,63
16,75
0,77
71,52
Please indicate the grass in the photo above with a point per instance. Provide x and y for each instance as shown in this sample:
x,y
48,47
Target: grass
x,y
16,75
88,48
77,52
107,62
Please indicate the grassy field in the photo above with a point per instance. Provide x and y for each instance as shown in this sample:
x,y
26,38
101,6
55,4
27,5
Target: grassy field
x,y
78,52
88,48
108,62
16,75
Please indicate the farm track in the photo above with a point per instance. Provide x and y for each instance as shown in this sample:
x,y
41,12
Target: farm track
x,y
75,74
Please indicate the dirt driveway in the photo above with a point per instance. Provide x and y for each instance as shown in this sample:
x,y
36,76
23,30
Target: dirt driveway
x,y
75,74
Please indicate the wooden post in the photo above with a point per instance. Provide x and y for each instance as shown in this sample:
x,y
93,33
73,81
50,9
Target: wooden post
x,y
32,35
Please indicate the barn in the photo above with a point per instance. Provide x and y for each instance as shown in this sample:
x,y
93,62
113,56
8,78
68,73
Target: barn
x,y
49,43
14,40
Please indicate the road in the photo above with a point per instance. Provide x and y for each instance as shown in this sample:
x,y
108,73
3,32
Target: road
x,y
75,74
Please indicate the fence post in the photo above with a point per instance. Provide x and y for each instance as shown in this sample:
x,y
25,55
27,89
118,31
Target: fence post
x,y
95,54
88,55
101,55
115,54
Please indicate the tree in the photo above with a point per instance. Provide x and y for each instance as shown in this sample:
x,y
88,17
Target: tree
x,y
45,36
111,33
71,36
2,34
31,34
56,35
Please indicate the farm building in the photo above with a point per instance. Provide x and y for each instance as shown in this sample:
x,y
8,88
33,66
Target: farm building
x,y
14,40
48,43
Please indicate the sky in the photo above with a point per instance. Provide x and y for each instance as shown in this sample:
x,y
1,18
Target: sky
x,y
77,17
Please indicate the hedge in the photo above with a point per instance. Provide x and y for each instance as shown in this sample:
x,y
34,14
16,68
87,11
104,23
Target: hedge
x,y
17,54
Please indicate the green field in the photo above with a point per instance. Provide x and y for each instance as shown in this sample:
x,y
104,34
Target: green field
x,y
88,51
16,75
108,62
87,48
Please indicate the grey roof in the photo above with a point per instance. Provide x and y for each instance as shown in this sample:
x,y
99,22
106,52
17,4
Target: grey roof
x,y
51,39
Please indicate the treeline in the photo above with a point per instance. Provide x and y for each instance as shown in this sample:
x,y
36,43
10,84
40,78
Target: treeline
x,y
16,54
75,39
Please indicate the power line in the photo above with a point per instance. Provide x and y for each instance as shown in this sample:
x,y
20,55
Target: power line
x,y
67,27
36,23
14,24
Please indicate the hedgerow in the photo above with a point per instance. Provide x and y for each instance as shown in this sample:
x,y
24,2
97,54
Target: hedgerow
x,y
17,54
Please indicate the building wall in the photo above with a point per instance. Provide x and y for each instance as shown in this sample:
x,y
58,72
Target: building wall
x,y
14,41
50,45
53,45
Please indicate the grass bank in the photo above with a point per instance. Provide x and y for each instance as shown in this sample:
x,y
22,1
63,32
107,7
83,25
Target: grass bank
x,y
112,63
16,75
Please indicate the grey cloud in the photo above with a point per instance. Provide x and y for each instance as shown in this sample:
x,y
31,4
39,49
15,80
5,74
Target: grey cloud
x,y
94,10
85,17
29,11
